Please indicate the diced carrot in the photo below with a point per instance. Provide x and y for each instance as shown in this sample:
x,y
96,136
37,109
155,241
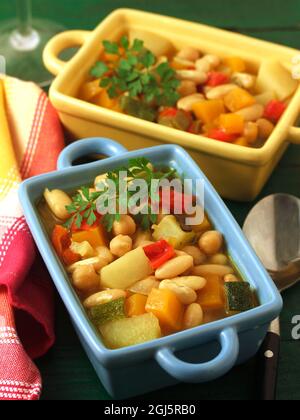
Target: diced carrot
x,y
136,305
212,295
69,257
236,64
232,123
60,239
238,99
165,305
96,237
209,111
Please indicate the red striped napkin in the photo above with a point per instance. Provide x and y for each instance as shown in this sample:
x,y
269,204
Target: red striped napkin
x,y
31,139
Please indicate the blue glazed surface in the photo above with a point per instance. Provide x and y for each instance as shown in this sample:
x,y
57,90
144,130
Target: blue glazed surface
x,y
227,332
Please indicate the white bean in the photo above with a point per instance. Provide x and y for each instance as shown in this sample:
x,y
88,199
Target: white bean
x,y
193,316
57,201
244,80
196,76
185,294
220,91
104,297
252,113
174,267
218,270
194,282
231,278
187,103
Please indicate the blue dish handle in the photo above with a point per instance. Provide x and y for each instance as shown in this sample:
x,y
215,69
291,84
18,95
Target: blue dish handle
x,y
203,372
84,147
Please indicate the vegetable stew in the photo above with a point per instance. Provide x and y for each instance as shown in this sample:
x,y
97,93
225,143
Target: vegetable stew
x,y
189,90
144,274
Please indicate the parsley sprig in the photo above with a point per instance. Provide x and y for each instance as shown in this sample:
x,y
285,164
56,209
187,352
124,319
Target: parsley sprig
x,y
84,204
135,73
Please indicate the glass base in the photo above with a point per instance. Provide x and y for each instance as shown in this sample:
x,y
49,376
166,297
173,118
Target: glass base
x,y
23,54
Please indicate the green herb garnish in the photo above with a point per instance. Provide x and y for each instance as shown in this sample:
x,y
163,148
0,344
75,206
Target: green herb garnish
x,y
135,73
84,204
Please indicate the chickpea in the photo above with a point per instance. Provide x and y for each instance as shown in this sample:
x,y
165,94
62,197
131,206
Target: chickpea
x,y
251,132
196,253
265,128
219,259
100,179
141,237
187,87
105,255
203,65
189,53
85,278
121,245
211,242
126,226
57,201
231,278
213,60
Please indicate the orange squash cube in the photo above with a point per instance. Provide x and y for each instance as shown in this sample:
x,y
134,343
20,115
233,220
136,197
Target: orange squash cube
x,y
236,64
95,237
209,111
212,295
89,90
238,99
136,305
241,141
103,99
165,305
232,123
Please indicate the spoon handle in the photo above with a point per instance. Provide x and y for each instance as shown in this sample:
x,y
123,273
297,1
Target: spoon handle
x,y
268,362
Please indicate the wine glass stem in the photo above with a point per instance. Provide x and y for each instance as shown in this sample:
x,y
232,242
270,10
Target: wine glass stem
x,y
24,16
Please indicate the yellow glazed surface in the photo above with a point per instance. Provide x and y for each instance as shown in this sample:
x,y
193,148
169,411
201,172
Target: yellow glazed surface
x,y
237,172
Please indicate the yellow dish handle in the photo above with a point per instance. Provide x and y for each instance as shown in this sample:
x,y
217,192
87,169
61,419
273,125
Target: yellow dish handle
x,y
58,44
294,135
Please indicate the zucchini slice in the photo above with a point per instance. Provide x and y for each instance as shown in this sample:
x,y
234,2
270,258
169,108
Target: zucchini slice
x,y
106,312
239,297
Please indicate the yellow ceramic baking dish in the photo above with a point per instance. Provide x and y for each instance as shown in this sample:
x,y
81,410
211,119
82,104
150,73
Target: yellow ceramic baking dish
x,y
237,172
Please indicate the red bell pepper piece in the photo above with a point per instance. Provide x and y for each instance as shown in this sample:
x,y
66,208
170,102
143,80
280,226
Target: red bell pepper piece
x,y
221,135
216,79
274,110
169,112
61,241
69,257
159,253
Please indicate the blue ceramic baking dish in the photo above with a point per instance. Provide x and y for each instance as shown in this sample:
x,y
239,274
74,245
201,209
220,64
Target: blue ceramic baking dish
x,y
198,355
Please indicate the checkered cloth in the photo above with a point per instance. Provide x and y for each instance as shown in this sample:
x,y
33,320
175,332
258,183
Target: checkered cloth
x,y
31,139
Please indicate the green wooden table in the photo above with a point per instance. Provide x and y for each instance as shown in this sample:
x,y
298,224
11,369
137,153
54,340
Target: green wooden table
x,y
67,373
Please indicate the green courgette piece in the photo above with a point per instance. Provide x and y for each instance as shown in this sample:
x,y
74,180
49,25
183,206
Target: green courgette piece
x,y
138,109
107,312
239,297
180,121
